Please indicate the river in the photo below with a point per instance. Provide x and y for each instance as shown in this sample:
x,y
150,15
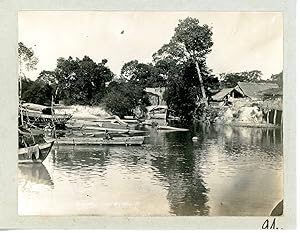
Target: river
x,y
229,171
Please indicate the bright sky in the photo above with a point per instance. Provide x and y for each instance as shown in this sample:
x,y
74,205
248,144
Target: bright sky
x,y
242,41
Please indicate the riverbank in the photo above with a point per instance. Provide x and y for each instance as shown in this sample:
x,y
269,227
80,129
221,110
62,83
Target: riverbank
x,y
82,111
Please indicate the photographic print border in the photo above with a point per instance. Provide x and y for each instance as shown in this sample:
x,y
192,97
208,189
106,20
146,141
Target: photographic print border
x,y
9,103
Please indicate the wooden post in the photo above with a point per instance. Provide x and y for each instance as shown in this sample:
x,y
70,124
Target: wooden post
x,y
52,115
268,117
274,119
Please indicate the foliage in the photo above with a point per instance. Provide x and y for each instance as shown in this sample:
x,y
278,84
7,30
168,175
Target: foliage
x,y
231,79
79,81
27,59
182,91
196,39
37,91
278,78
145,75
123,98
177,61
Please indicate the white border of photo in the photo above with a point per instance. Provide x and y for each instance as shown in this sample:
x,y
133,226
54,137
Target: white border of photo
x,y
9,218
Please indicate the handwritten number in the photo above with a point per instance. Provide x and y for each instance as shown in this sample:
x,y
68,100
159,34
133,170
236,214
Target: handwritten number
x,y
269,225
265,224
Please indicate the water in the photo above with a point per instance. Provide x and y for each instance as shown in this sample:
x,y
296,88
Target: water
x,y
227,172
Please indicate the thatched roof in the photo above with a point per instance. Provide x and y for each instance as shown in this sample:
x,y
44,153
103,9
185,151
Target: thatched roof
x,y
224,92
255,90
273,92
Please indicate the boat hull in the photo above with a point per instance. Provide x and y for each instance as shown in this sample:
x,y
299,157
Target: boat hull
x,y
34,154
127,141
44,119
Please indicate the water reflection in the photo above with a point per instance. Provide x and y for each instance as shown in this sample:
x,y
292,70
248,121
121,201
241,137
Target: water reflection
x,y
220,174
35,173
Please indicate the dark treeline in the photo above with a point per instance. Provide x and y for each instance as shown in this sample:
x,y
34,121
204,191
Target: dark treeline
x,y
179,65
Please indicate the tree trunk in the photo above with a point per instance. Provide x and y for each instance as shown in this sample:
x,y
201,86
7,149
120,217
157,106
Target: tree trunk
x,y
201,83
275,114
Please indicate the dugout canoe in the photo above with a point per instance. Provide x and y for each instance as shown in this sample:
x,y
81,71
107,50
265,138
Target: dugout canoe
x,y
36,153
127,141
38,118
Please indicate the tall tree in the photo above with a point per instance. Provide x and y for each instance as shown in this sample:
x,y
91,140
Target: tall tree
x,y
27,62
183,62
196,41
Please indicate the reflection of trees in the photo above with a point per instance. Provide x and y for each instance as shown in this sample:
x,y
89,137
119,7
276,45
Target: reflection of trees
x,y
187,192
80,158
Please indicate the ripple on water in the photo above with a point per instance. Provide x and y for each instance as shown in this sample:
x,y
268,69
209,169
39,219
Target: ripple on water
x,y
169,176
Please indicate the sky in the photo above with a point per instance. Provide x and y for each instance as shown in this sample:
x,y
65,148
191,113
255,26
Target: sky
x,y
243,41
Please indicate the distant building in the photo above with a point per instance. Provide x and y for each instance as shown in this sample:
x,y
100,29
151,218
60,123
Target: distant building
x,y
226,95
156,95
267,96
254,91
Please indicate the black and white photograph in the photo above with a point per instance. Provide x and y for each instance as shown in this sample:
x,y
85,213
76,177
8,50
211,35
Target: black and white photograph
x,y
150,113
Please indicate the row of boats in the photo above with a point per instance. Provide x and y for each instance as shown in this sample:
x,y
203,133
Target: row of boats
x,y
40,128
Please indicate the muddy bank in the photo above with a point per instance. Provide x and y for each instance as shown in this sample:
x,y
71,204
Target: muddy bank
x,y
82,112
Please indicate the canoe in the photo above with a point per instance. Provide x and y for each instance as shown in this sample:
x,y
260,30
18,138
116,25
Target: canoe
x,y
165,127
43,119
155,124
34,154
127,121
98,128
127,141
89,133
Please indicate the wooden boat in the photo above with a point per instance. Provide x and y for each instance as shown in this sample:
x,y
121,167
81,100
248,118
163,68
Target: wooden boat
x,y
41,119
81,133
98,128
154,124
127,121
127,141
166,127
34,154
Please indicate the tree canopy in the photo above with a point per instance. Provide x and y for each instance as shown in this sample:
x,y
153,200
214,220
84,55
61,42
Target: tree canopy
x,y
183,62
80,81
123,98
278,78
231,79
145,75
27,59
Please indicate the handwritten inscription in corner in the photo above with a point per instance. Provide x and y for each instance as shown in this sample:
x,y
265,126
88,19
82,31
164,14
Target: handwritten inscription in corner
x,y
270,225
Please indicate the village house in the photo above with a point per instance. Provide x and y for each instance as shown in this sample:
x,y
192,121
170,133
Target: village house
x,y
266,96
226,96
156,95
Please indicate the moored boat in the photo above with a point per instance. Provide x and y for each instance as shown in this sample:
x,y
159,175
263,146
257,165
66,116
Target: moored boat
x,y
40,115
127,141
166,127
98,128
34,154
32,146
41,119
